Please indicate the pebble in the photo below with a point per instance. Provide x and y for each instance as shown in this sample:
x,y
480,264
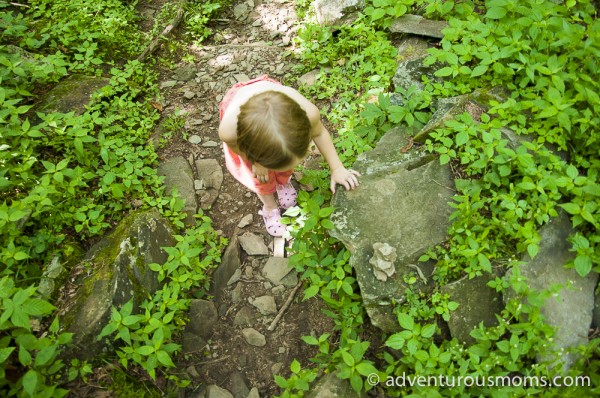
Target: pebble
x,y
168,84
265,305
253,393
245,221
189,95
210,144
235,277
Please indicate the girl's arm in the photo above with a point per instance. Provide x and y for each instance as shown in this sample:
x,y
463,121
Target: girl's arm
x,y
339,174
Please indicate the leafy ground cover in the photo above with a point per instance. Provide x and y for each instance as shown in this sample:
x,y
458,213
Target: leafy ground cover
x,y
65,179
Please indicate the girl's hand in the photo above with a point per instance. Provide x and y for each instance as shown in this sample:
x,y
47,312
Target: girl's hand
x,y
260,173
347,178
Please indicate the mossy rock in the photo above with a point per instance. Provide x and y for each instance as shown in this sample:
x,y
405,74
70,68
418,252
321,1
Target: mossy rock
x,y
71,94
114,271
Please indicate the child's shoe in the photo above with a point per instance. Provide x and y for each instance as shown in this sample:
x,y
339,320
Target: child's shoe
x,y
273,223
286,195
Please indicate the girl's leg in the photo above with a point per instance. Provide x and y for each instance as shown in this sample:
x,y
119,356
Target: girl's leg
x,y
268,201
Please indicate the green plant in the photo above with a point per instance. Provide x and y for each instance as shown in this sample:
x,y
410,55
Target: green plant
x,y
22,347
147,338
197,17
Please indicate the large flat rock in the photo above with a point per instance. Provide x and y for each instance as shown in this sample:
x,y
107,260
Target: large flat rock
x,y
402,201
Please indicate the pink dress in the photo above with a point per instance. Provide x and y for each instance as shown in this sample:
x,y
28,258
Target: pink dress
x,y
241,169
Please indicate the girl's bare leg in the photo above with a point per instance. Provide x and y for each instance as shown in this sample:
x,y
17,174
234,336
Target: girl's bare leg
x,y
268,201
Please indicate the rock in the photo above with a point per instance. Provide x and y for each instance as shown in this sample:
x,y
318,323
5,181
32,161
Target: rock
x,y
168,84
214,391
192,343
241,11
403,201
245,221
244,317
195,139
230,262
203,318
279,247
331,386
382,261
276,269
178,174
569,311
337,12
235,277
237,385
253,393
241,77
56,272
409,74
309,78
189,95
253,244
477,303
71,95
210,144
417,25
211,175
114,271
185,72
253,337
265,305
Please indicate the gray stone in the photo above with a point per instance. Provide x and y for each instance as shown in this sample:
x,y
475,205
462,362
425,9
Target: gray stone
x,y
210,144
195,139
241,77
214,391
477,303
192,343
230,262
211,175
409,74
245,221
417,25
113,272
185,73
254,337
235,277
331,386
203,318
168,84
569,311
309,78
253,244
241,11
178,174
337,12
276,269
189,94
246,316
265,304
57,271
71,95
403,201
237,385
253,393
236,294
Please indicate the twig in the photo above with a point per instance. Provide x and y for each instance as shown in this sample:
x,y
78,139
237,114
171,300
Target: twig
x,y
17,4
285,306
443,186
154,43
213,361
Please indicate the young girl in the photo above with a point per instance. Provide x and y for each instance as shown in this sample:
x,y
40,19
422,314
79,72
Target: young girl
x,y
266,129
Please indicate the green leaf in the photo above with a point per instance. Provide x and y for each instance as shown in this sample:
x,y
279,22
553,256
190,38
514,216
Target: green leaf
x,y
479,70
326,212
583,265
164,358
428,330
295,367
406,321
446,71
348,359
327,224
145,350
37,307
462,138
366,368
533,249
310,292
571,208
5,353
30,382
484,262
495,13
310,340
45,355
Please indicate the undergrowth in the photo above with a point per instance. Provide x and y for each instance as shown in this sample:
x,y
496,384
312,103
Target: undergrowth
x,y
546,56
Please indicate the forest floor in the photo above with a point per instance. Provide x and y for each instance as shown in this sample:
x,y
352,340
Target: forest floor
x,y
249,39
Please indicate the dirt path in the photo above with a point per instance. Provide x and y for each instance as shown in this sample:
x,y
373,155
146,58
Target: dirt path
x,y
249,40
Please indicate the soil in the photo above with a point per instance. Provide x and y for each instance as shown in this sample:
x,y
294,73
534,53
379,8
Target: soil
x,y
247,42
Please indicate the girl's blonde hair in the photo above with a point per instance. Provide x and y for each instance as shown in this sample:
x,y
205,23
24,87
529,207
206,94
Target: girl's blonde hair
x,y
273,130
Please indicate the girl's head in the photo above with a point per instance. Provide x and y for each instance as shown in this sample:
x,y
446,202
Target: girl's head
x,y
273,130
